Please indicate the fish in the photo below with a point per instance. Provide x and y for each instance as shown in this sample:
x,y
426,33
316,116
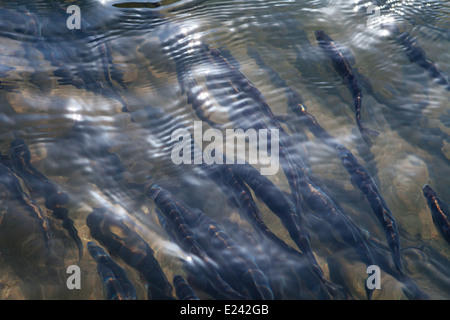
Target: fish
x,y
241,84
264,189
295,104
249,209
111,73
347,74
186,237
321,203
416,54
362,180
293,167
115,280
137,5
6,85
301,117
439,211
328,209
272,196
238,260
131,248
183,290
62,55
11,182
410,287
38,183
291,278
253,117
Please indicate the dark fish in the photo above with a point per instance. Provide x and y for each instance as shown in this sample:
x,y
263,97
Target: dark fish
x,y
329,210
137,5
315,280
363,181
37,183
111,73
416,54
316,198
186,237
293,167
201,271
439,211
11,183
5,85
295,103
302,118
117,285
129,246
410,288
264,189
239,261
241,83
290,278
244,268
249,209
183,290
273,197
346,72
255,119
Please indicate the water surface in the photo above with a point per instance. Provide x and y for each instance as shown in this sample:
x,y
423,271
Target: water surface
x,y
97,107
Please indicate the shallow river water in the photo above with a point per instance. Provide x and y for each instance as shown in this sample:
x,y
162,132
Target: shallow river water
x,y
98,107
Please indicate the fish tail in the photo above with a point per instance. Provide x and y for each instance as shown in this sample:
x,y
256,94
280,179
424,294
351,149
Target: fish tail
x,y
367,134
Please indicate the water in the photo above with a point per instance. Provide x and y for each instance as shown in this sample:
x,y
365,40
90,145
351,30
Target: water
x,y
64,91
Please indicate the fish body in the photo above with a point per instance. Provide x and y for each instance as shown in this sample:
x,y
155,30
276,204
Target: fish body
x,y
183,290
251,212
348,76
222,248
38,183
129,246
238,260
183,233
117,285
439,211
363,181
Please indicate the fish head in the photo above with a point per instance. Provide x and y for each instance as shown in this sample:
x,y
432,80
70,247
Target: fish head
x,y
346,156
428,191
342,151
321,36
96,252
